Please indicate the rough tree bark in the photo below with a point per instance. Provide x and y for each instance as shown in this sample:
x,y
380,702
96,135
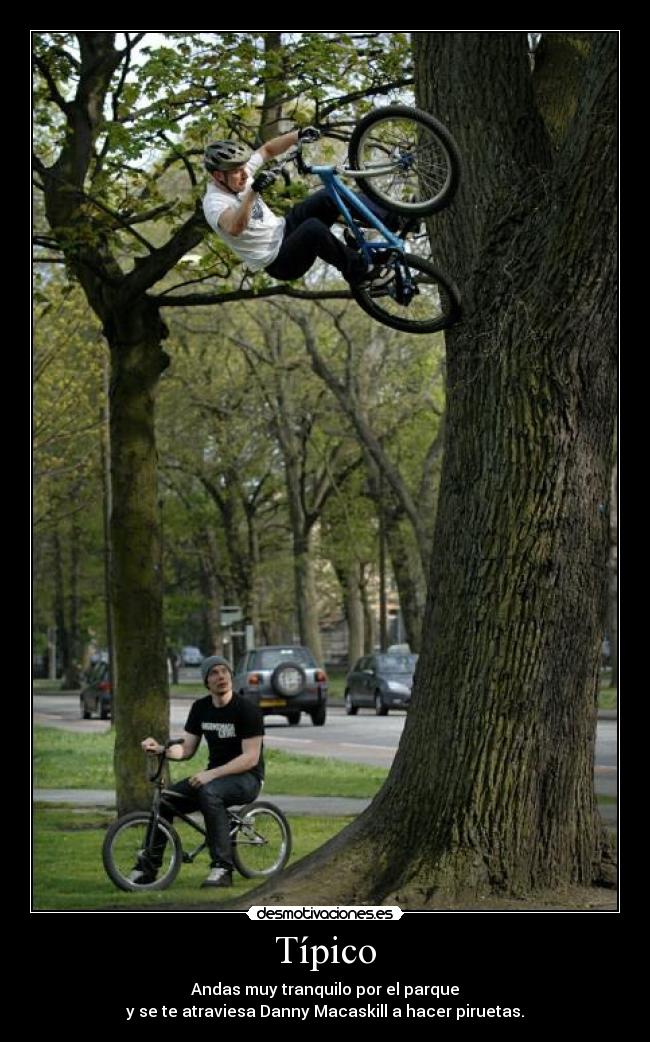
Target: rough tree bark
x,y
141,703
491,791
612,615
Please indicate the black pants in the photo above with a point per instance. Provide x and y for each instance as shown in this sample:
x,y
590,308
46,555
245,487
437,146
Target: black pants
x,y
212,800
307,236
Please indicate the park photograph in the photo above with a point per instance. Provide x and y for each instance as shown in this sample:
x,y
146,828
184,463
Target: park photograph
x,y
325,447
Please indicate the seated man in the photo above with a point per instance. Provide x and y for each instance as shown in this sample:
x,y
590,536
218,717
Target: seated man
x,y
286,247
233,729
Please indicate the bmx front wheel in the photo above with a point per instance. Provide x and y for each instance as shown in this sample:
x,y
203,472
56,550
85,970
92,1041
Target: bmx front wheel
x,y
127,846
417,156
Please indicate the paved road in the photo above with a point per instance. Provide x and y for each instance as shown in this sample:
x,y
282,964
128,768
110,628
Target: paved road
x,y
364,738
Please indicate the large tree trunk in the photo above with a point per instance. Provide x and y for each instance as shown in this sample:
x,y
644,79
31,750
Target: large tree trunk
x,y
491,791
141,703
612,624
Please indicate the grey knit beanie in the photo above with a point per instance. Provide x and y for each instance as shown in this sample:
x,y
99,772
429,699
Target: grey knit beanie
x,y
213,660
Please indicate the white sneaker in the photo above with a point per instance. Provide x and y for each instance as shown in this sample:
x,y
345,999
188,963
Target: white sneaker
x,y
218,876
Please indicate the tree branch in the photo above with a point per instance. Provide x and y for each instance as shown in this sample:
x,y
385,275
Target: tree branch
x,y
149,270
181,156
356,95
201,299
55,95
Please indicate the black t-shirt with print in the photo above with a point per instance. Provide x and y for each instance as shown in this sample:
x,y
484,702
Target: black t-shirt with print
x,y
225,727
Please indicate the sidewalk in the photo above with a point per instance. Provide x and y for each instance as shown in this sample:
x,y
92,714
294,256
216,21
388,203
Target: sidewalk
x,y
315,806
320,806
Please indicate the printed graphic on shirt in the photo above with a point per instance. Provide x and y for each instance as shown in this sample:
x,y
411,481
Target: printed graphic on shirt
x,y
257,213
223,730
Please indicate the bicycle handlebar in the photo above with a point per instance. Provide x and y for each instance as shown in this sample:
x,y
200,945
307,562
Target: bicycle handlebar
x,y
161,757
303,168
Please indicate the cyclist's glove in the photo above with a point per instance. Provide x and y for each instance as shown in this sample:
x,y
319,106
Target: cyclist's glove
x,y
263,181
308,134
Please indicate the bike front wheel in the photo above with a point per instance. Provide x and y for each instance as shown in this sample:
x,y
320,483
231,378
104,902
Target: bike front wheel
x,y
417,154
261,845
434,306
127,847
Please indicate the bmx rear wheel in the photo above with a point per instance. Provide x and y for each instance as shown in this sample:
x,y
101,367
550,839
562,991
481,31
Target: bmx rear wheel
x,y
435,305
261,845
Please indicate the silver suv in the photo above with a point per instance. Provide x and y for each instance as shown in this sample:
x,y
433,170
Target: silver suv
x,y
284,679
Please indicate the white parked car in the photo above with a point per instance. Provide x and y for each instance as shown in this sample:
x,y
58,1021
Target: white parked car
x,y
191,656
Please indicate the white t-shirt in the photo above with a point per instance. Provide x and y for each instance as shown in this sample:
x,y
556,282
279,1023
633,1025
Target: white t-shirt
x,y
260,242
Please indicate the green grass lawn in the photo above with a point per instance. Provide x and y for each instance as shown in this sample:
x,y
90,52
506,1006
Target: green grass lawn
x,y
69,875
69,760
68,871
607,698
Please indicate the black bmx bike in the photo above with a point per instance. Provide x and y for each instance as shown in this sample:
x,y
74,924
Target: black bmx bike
x,y
406,161
260,836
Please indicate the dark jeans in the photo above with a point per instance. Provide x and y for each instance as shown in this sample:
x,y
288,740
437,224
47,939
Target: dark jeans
x,y
307,236
212,800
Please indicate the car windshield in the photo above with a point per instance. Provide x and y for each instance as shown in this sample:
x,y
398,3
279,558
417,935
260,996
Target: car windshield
x,y
396,663
272,657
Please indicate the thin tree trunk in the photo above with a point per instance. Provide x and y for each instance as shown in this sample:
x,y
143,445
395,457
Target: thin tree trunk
x,y
408,578
349,577
305,588
59,604
404,557
213,593
142,703
354,612
72,676
369,619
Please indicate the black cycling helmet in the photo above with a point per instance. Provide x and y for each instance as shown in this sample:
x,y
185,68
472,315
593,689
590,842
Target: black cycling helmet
x,y
225,155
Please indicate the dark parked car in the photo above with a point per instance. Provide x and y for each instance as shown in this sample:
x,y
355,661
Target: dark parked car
x,y
96,697
383,681
284,679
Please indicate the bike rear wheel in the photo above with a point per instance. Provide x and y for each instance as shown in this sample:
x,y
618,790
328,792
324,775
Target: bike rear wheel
x,y
422,156
435,305
261,845
125,848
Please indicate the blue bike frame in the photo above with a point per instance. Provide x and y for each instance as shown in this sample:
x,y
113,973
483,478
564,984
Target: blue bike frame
x,y
340,193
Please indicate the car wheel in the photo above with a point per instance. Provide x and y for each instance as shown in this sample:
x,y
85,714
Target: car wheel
x,y
85,713
293,718
350,709
318,716
380,708
104,713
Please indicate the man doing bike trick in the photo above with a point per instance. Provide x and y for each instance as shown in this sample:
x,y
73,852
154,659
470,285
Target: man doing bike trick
x,y
285,247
